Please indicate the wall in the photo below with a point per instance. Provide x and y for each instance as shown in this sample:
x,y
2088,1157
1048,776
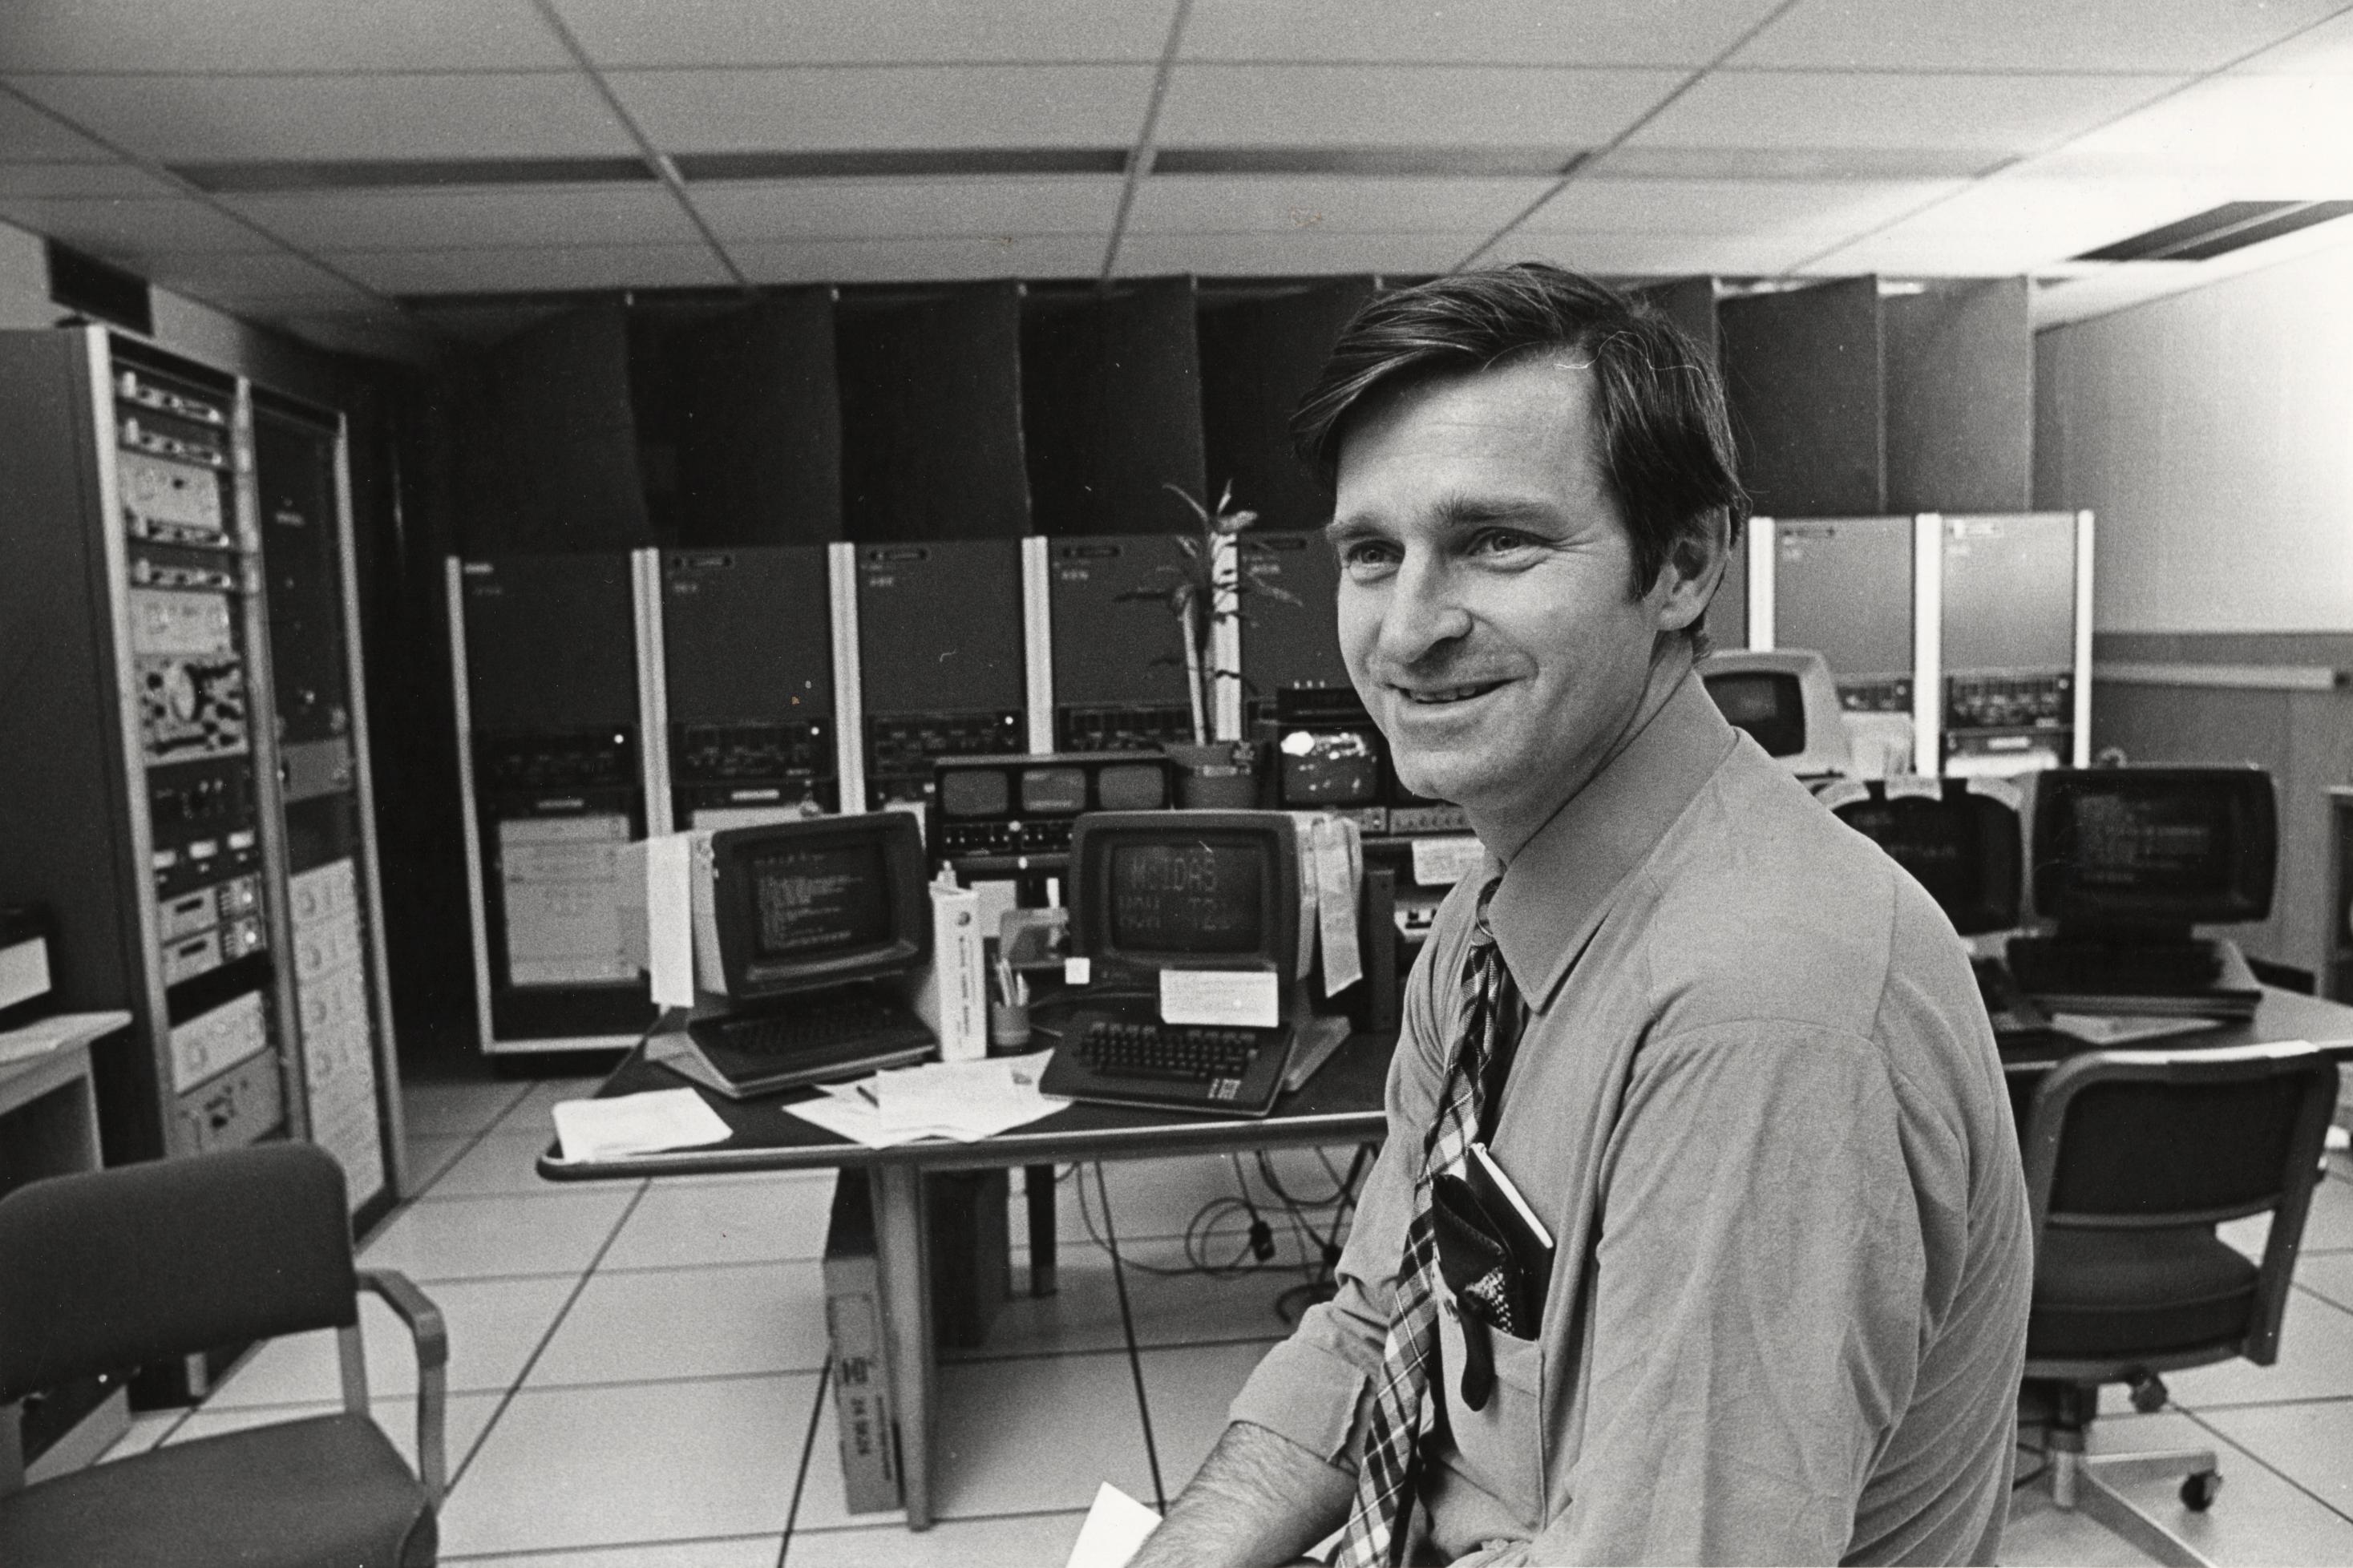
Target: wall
x,y
2212,434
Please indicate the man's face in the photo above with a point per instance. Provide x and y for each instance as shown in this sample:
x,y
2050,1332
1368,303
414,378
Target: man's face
x,y
1487,614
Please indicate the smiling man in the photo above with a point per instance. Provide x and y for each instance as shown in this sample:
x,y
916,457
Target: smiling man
x,y
1713,1046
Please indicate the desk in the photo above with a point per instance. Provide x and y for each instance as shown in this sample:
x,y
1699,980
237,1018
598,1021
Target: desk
x,y
1341,1104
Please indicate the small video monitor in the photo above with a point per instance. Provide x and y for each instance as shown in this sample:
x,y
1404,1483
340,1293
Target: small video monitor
x,y
1785,700
970,793
1966,848
990,809
1053,791
1337,767
1157,889
2154,849
798,905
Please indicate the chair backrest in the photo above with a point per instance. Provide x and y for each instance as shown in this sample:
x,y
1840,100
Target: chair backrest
x,y
109,1269
2149,1140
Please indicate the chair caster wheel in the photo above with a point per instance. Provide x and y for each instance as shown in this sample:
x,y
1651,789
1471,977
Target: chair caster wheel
x,y
2198,1491
2149,1393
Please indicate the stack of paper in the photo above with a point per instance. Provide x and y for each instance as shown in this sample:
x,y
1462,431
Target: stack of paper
x,y
960,1100
636,1124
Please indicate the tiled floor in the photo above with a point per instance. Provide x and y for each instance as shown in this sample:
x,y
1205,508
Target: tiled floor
x,y
635,1371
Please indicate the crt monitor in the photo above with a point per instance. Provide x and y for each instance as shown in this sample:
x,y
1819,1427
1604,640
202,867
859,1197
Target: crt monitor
x,y
794,906
2153,850
1198,889
1785,700
1965,848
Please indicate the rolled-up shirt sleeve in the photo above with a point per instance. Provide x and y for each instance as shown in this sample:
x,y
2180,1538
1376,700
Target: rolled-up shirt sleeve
x,y
1757,1304
1311,1387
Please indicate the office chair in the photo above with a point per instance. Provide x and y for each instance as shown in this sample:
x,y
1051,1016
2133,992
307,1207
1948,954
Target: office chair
x,y
2132,1158
107,1271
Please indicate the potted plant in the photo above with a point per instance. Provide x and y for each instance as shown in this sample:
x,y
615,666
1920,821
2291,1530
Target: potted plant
x,y
1218,568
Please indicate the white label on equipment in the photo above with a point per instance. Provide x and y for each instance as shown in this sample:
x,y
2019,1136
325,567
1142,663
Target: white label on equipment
x,y
1442,862
1235,998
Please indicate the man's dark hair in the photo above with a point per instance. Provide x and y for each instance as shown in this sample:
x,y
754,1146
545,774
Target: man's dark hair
x,y
1666,441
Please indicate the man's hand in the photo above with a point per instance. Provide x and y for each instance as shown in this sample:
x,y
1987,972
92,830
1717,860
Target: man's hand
x,y
1258,1501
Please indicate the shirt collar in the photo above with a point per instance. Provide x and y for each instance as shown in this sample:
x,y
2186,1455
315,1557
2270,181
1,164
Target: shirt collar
x,y
1555,891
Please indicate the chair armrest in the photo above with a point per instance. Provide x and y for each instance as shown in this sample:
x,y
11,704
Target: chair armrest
x,y
431,1335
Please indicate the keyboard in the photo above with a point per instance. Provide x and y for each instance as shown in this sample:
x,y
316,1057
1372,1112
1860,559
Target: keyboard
x,y
1128,1059
822,1036
2073,974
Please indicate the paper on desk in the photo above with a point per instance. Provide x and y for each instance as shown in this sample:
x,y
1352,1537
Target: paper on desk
x,y
644,1123
2124,1029
960,1100
42,1035
1117,1526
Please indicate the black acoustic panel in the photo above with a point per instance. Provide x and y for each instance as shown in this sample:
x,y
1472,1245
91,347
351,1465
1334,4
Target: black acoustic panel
x,y
939,626
1111,408
759,436
550,642
747,634
1113,645
931,415
1960,397
1258,358
302,553
1290,643
1690,304
1802,373
546,441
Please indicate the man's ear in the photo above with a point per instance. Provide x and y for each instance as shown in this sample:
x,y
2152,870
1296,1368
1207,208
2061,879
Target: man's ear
x,y
1688,576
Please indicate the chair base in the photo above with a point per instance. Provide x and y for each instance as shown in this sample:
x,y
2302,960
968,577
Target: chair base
x,y
2087,1484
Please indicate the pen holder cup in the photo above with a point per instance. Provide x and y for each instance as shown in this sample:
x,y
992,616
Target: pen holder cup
x,y
1008,1026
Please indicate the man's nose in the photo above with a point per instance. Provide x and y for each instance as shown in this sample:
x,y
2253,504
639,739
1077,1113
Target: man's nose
x,y
1424,612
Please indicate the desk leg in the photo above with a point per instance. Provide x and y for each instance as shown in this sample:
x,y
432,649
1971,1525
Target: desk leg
x,y
902,1258
1037,1186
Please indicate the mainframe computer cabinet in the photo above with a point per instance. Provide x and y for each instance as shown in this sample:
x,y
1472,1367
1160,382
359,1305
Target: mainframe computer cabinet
x,y
185,782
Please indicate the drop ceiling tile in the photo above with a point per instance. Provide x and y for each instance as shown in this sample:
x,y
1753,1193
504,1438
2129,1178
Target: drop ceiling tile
x,y
521,269
1326,106
868,209
273,35
449,219
2050,219
1885,109
810,32
2324,49
1303,252
1515,32
247,276
1278,203
84,180
2092,36
2277,137
132,227
1939,256
199,118
1778,209
921,260
887,105
28,136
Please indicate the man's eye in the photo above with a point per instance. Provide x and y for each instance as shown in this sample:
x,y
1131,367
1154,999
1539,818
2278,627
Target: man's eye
x,y
1366,555
1499,541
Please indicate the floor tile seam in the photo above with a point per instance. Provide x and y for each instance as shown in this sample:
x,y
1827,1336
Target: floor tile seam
x,y
533,1194
2306,1290
2223,1437
524,1390
610,1269
1142,1348
984,1517
417,1279
547,1335
541,1552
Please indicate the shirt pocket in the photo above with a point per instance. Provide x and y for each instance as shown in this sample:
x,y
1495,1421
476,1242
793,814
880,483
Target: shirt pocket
x,y
1500,1449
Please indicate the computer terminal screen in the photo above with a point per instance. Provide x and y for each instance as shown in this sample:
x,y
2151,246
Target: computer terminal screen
x,y
2153,848
1965,849
1201,897
1765,704
821,902
811,902
1186,889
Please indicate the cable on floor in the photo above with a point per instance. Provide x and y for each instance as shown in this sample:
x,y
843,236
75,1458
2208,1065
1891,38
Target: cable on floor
x,y
808,1445
1135,1358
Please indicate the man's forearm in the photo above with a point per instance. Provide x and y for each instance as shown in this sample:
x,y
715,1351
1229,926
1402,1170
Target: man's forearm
x,y
1259,1499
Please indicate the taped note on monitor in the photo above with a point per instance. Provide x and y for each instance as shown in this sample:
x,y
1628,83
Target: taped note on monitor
x,y
1442,862
1339,863
1228,998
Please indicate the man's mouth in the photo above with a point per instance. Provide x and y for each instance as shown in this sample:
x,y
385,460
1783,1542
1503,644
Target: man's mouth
x,y
1438,696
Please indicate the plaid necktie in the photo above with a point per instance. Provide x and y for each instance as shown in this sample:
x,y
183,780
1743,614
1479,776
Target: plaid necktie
x,y
1403,1413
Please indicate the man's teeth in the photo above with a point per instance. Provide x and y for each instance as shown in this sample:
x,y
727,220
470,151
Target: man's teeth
x,y
1446,694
